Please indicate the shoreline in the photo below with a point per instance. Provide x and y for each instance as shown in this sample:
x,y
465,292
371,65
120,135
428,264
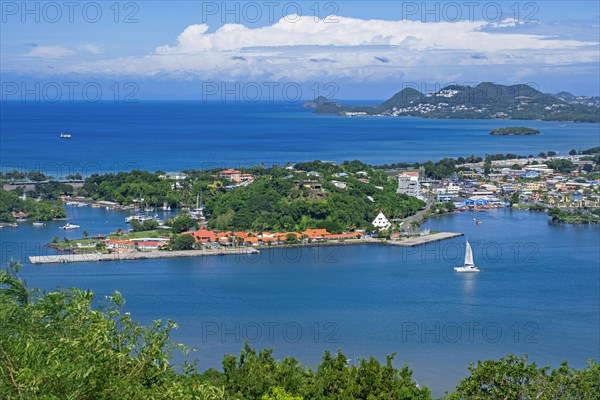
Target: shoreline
x,y
157,254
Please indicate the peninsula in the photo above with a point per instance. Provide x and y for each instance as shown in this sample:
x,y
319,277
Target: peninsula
x,y
484,101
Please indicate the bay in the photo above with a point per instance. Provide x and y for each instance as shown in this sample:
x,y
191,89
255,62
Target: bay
x,y
538,294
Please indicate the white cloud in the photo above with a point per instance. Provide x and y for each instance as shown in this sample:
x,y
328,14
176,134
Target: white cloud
x,y
49,52
351,48
55,52
89,48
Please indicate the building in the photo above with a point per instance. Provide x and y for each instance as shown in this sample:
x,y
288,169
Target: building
x,y
442,197
236,176
408,183
203,235
316,234
452,188
540,168
381,222
176,176
339,184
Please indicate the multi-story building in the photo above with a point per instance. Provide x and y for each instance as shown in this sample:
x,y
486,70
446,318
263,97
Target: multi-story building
x,y
408,183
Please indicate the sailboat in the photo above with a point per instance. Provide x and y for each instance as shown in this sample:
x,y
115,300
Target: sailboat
x,y
198,212
469,263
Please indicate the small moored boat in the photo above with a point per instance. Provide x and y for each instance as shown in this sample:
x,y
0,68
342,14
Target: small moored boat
x,y
69,226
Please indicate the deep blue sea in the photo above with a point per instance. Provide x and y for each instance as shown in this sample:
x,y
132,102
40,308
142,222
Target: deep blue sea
x,y
172,136
538,293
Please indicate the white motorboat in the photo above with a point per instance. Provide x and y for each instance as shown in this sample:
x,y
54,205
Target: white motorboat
x,y
70,226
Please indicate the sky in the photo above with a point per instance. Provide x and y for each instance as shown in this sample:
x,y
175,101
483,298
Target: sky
x,y
246,50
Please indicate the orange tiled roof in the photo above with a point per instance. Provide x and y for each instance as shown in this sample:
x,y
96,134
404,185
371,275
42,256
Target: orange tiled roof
x,y
315,233
203,235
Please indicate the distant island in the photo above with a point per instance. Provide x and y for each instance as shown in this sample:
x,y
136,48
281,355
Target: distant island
x,y
514,131
484,101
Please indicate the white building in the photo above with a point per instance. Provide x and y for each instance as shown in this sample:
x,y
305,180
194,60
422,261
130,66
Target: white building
x,y
452,188
408,183
381,222
339,184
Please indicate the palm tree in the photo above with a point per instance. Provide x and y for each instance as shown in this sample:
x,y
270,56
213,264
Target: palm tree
x,y
85,234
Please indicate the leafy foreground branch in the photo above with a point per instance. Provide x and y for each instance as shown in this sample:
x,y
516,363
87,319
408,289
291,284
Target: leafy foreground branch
x,y
58,346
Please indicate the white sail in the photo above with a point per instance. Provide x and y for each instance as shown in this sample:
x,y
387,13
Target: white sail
x,y
469,256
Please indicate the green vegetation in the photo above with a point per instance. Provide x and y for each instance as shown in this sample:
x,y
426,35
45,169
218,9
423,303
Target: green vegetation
x,y
561,165
486,100
158,233
182,242
148,225
514,378
442,208
182,223
58,345
285,200
515,131
573,217
76,245
36,210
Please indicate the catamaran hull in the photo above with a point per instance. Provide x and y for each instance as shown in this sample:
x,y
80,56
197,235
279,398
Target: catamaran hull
x,y
466,269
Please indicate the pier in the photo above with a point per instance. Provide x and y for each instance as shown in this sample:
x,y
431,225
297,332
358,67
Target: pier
x,y
419,240
134,255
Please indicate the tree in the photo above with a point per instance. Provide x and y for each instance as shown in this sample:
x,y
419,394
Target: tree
x,y
85,234
147,225
542,154
487,165
182,242
573,152
278,393
183,223
551,153
57,345
291,239
514,378
514,198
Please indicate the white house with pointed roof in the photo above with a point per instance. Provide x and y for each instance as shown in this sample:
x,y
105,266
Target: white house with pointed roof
x,y
381,222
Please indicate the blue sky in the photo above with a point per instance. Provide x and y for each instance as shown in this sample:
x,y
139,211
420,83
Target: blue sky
x,y
350,49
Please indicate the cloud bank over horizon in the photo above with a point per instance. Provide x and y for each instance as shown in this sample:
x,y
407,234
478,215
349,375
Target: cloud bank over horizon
x,y
304,49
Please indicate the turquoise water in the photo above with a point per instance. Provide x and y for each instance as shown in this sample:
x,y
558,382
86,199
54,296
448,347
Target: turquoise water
x,y
538,293
171,136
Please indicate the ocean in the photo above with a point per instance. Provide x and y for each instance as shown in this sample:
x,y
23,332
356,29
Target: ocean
x,y
173,136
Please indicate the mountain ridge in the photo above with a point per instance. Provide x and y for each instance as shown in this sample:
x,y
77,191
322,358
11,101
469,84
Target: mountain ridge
x,y
487,100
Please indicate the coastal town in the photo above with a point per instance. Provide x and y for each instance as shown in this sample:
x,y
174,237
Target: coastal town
x,y
567,187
